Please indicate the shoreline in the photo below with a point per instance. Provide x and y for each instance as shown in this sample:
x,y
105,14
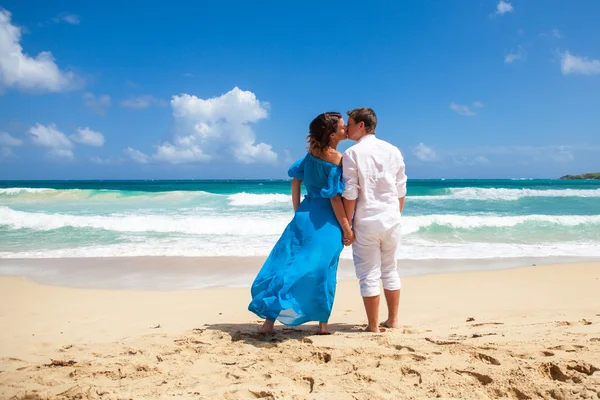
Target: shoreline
x,y
516,333
193,273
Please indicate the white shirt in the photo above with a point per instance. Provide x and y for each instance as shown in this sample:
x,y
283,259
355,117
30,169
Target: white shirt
x,y
374,176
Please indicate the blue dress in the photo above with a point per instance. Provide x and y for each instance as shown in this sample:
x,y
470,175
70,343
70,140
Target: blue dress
x,y
297,281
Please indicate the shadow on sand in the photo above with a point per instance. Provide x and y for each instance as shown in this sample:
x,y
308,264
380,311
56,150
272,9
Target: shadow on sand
x,y
248,332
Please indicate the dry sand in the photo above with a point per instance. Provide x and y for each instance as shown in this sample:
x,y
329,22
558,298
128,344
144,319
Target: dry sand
x,y
523,333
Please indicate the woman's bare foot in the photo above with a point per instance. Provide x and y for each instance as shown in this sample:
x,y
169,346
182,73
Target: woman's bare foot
x,y
323,330
267,327
390,324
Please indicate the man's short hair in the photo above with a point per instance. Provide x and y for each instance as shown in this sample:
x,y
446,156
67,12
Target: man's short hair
x,y
366,115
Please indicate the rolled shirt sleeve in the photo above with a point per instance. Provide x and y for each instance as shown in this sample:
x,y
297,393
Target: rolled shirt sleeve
x,y
350,176
401,177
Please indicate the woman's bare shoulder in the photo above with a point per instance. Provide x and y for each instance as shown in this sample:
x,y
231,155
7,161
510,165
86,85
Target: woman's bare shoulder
x,y
337,158
334,157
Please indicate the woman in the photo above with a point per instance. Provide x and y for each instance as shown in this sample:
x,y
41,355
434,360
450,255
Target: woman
x,y
297,282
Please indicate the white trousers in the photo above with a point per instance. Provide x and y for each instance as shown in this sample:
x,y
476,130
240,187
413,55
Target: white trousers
x,y
374,256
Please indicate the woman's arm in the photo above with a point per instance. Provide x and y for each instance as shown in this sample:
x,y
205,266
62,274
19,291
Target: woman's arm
x,y
340,214
296,187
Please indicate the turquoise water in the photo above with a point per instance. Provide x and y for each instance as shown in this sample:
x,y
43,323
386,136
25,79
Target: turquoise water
x,y
443,219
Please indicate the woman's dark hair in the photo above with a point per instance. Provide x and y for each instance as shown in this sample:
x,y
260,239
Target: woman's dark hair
x,y
319,130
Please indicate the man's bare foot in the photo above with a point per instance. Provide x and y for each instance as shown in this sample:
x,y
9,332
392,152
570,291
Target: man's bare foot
x,y
374,329
267,327
390,324
323,330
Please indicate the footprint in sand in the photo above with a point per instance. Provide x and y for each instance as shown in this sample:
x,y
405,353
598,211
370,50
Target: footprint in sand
x,y
568,348
478,335
311,382
581,367
441,342
552,371
399,347
412,375
487,323
409,356
321,356
481,378
263,394
486,359
518,394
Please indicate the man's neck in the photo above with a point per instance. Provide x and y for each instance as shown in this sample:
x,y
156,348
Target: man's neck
x,y
366,135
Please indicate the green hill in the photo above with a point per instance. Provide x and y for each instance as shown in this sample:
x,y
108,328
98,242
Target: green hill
x,y
591,175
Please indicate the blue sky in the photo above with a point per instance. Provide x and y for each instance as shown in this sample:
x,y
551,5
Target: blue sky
x,y
180,90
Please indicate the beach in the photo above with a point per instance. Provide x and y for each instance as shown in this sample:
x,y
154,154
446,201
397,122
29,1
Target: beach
x,y
140,289
530,332
165,167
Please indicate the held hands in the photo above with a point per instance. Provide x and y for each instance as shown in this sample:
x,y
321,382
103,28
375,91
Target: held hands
x,y
348,235
348,239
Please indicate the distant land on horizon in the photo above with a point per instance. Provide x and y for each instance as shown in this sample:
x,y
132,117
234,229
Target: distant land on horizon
x,y
589,175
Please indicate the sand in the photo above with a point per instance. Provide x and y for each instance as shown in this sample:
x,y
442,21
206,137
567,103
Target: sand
x,y
522,333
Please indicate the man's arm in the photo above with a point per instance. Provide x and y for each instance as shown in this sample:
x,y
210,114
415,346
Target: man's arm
x,y
351,186
349,207
401,179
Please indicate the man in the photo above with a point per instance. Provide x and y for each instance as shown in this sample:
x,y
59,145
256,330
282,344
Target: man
x,y
374,175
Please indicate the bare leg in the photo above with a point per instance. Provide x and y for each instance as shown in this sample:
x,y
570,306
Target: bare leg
x,y
392,298
267,327
372,309
323,328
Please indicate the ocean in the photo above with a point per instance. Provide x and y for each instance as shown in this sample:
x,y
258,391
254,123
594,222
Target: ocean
x,y
484,220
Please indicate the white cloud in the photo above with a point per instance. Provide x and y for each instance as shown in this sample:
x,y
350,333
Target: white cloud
x,y
72,19
481,155
571,64
141,102
188,75
466,160
519,54
131,84
557,33
465,110
503,7
99,104
88,137
106,161
8,140
137,156
21,71
63,154
218,127
425,153
180,154
554,33
481,160
561,154
49,136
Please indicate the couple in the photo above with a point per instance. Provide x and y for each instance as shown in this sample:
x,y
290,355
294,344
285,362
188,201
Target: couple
x,y
355,198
